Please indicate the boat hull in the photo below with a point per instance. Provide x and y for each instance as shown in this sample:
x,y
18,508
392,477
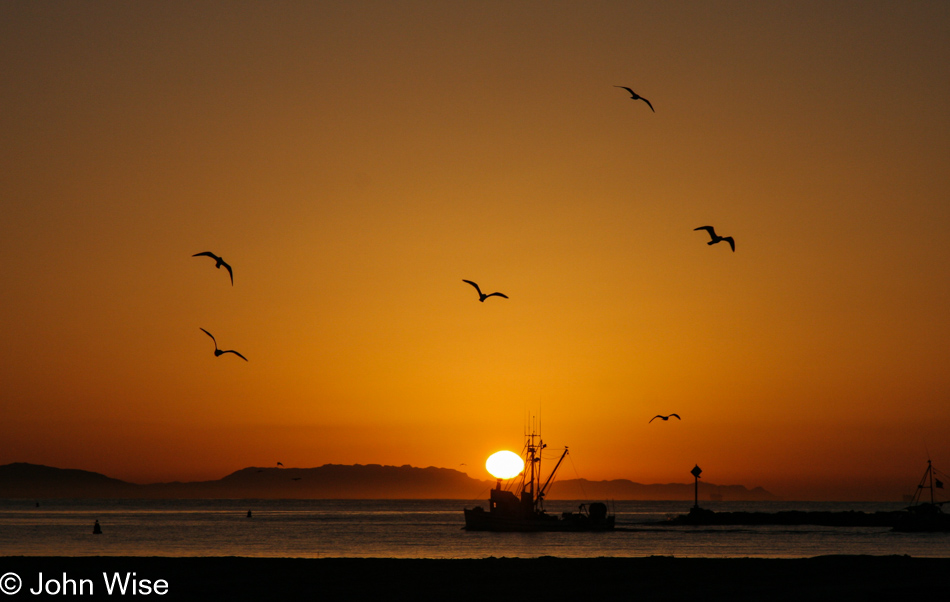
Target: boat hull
x,y
478,520
923,518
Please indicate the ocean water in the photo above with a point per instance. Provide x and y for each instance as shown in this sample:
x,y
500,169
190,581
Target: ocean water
x,y
419,529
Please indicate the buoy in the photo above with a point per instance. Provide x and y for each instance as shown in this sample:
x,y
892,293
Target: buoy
x,y
96,529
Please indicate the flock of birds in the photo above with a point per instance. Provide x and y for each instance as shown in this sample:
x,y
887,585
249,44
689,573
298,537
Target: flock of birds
x,y
218,262
714,239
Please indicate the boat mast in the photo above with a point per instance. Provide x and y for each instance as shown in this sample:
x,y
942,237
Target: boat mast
x,y
926,482
531,456
528,476
531,479
930,471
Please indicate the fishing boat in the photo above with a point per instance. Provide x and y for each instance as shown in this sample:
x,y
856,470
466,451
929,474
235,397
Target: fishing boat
x,y
525,512
921,515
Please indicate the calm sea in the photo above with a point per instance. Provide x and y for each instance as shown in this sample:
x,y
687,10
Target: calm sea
x,y
417,529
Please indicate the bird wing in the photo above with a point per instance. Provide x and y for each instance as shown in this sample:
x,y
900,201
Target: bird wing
x,y
235,353
648,103
230,271
710,229
731,242
677,416
632,93
475,285
497,295
210,335
207,254
654,418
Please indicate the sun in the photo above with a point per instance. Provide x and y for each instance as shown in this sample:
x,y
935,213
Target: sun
x,y
504,464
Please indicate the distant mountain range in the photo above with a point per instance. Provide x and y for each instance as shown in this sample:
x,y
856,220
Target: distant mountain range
x,y
336,481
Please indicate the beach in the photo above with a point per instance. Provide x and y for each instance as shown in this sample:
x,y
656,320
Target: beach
x,y
546,578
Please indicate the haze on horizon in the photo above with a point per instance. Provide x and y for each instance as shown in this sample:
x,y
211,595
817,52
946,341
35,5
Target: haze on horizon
x,y
354,161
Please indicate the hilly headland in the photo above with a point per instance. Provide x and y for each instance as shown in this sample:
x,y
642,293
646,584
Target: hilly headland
x,y
336,481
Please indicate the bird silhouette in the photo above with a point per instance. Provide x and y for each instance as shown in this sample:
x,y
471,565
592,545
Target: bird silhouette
x,y
635,96
218,262
280,464
716,238
664,418
218,352
482,296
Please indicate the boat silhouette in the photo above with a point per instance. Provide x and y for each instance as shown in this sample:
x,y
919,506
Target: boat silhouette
x,y
921,515
525,512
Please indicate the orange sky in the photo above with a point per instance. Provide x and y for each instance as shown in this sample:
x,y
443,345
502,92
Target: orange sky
x,y
354,161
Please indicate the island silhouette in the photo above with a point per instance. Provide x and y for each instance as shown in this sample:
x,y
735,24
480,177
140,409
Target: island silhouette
x,y
335,481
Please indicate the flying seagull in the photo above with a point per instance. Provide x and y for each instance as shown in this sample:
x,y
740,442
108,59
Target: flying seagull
x,y
664,417
218,263
218,352
716,238
635,96
280,464
482,296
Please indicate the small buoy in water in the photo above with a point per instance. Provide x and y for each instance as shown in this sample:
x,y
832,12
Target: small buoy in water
x,y
249,514
96,529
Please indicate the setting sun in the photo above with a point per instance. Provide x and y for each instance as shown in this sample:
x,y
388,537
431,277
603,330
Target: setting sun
x,y
504,465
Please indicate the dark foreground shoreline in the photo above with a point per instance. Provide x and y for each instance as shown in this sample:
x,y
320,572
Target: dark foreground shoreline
x,y
543,579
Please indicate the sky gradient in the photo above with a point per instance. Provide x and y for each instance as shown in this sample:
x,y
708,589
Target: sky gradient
x,y
354,161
